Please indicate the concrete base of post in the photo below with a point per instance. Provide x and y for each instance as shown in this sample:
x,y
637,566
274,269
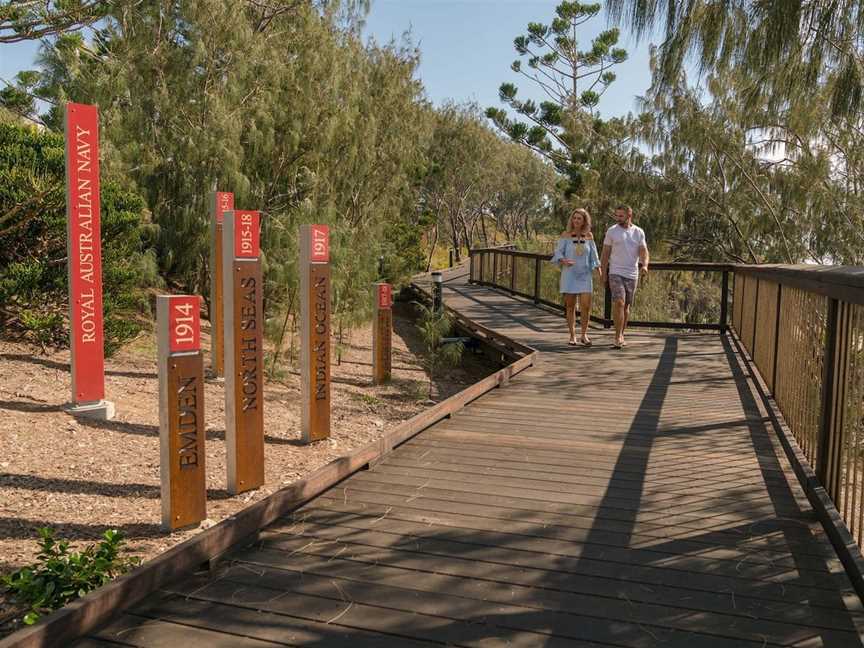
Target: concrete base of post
x,y
100,410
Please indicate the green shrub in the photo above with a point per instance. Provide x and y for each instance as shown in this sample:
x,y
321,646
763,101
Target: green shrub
x,y
59,576
33,275
436,355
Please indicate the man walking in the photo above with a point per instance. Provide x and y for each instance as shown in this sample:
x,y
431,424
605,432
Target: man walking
x,y
624,258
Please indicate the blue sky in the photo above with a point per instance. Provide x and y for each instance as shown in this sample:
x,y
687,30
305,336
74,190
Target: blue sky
x,y
466,48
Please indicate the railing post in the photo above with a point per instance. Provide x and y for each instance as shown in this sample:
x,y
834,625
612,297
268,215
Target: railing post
x,y
755,321
451,256
470,266
482,263
826,423
776,339
495,269
512,273
724,300
607,304
537,280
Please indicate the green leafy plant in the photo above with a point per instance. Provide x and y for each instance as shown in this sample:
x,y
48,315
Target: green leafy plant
x,y
60,575
436,354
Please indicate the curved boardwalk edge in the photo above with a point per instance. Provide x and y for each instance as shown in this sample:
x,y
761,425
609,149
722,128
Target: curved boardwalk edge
x,y
87,613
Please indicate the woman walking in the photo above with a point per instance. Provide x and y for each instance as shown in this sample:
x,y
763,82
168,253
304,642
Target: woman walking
x,y
576,254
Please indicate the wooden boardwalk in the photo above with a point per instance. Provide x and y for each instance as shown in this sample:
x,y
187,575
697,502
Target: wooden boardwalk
x,y
603,498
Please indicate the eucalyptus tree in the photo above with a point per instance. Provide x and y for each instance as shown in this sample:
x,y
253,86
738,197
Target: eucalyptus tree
x,y
460,154
564,126
520,202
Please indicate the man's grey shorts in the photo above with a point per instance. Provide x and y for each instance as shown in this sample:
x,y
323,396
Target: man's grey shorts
x,y
622,288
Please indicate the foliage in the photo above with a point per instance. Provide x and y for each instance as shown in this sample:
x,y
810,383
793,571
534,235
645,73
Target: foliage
x,y
27,19
60,575
323,128
785,48
33,277
476,182
563,128
437,355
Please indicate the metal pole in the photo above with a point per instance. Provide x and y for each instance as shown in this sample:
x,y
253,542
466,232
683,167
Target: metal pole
x,y
607,304
827,419
451,257
537,271
776,339
494,268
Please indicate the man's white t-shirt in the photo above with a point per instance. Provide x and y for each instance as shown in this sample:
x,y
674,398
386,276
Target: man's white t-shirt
x,y
625,243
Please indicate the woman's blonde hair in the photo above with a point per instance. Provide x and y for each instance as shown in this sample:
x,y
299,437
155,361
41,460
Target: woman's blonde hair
x,y
586,220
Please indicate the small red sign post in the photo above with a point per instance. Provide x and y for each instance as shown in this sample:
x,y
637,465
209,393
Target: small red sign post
x,y
220,202
315,332
244,350
181,411
382,337
84,250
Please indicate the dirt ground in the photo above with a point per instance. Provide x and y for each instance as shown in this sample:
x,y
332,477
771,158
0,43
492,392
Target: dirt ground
x,y
83,477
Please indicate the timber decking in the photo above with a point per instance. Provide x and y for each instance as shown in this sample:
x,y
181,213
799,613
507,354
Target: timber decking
x,y
603,498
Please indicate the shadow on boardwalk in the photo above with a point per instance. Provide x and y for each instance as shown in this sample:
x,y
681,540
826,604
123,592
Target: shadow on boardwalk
x,y
630,499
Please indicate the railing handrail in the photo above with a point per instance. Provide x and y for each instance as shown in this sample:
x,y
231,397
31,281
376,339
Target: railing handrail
x,y
539,257
707,266
845,283
835,281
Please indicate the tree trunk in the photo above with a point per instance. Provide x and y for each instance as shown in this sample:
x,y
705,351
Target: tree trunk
x,y
432,249
454,235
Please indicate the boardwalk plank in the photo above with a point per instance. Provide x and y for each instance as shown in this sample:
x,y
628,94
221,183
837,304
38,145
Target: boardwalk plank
x,y
631,498
466,599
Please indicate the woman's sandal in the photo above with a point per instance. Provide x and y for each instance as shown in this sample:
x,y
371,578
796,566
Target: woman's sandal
x,y
572,343
586,342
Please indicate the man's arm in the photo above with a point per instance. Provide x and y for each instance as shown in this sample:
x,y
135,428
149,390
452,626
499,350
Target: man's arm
x,y
644,257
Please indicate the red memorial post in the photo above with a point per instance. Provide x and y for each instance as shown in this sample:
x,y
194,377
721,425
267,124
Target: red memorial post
x,y
315,332
220,202
84,251
181,411
243,289
382,334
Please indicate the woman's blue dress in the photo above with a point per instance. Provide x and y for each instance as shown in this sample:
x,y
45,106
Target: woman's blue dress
x,y
577,277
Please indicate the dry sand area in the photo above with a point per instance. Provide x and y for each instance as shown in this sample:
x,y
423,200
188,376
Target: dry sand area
x,y
83,477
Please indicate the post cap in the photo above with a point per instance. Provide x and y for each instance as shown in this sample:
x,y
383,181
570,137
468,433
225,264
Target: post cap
x,y
437,277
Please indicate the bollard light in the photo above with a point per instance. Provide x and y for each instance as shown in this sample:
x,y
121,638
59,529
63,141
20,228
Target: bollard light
x,y
437,292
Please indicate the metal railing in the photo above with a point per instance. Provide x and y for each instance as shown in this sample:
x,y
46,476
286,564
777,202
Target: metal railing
x,y
803,327
682,286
